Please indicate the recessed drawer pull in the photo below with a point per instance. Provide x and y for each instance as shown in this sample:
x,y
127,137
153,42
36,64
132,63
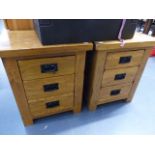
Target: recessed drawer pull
x,y
52,104
120,76
124,60
51,87
115,92
46,68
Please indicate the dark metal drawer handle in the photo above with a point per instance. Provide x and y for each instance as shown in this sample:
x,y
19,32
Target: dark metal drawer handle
x,y
51,87
52,104
120,76
124,60
115,92
45,68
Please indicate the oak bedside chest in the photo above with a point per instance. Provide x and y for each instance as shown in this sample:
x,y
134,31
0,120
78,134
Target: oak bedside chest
x,y
114,71
45,80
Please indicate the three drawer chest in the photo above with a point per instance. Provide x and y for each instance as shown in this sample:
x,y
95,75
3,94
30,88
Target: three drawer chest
x,y
45,80
114,71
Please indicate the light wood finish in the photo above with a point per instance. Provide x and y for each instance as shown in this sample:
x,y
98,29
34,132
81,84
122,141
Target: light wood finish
x,y
25,49
18,90
138,41
35,90
103,69
109,76
114,58
31,69
19,24
105,93
95,81
39,109
79,76
139,74
26,43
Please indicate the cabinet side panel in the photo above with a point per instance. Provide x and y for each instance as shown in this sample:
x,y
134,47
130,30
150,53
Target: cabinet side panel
x,y
18,89
95,78
139,74
79,78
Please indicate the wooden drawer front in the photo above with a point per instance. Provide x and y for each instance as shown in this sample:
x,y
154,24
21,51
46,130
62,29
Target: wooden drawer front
x,y
51,106
48,67
124,59
48,87
118,76
114,93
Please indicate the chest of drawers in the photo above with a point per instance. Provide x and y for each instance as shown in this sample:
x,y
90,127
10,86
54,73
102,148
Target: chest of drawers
x,y
114,71
45,80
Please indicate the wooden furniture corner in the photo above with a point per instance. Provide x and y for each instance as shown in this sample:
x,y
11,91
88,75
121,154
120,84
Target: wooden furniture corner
x,y
116,71
45,80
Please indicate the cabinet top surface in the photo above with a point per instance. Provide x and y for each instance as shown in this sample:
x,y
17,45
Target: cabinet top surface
x,y
138,41
24,43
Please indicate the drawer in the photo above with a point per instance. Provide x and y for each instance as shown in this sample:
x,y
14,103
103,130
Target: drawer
x,y
52,105
47,87
124,59
47,67
114,93
118,76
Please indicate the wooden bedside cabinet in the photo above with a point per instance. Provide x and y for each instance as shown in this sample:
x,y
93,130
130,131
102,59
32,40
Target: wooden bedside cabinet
x,y
115,71
45,80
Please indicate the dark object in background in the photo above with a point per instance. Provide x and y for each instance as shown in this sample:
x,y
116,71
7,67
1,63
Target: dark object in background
x,y
153,29
59,31
147,26
140,25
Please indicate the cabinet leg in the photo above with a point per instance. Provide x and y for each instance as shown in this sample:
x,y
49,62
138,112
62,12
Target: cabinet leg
x,y
92,107
129,99
77,109
28,122
79,77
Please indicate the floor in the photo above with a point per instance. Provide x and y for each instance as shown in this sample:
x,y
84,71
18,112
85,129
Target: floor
x,y
1,25
137,117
